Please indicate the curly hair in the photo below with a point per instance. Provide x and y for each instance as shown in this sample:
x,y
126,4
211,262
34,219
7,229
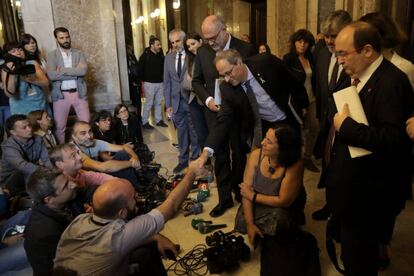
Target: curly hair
x,y
289,142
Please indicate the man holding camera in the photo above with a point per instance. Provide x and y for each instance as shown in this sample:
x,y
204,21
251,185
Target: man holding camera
x,y
66,69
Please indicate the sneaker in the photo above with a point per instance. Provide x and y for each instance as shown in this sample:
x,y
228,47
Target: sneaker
x,y
162,124
147,126
180,167
309,165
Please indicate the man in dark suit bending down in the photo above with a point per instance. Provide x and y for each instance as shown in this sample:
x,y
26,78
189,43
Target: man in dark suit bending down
x,y
205,81
365,193
255,94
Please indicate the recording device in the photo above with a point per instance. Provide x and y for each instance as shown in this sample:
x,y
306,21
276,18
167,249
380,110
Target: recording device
x,y
144,154
226,253
18,67
205,228
196,221
195,208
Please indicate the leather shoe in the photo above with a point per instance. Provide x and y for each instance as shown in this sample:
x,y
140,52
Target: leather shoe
x,y
162,124
220,209
321,214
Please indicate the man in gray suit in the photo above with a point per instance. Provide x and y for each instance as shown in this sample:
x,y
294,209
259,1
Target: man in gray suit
x,y
66,69
177,103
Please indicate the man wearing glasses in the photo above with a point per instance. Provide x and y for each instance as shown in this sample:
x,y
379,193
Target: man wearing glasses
x,y
367,192
206,86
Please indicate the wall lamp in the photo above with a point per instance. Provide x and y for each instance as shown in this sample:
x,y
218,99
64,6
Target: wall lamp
x,y
156,16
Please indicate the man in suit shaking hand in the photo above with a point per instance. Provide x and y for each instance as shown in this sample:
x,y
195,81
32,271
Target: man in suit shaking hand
x,y
205,82
366,193
175,101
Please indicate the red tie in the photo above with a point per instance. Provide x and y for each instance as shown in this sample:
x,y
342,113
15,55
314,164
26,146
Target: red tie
x,y
331,134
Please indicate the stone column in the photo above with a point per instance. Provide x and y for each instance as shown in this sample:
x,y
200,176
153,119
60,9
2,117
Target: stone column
x,y
38,21
92,27
280,25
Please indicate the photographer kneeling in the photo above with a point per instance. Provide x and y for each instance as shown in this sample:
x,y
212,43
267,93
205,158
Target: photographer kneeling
x,y
101,243
273,201
24,81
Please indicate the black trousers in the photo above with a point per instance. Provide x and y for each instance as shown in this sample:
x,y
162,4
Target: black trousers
x,y
359,243
128,173
222,166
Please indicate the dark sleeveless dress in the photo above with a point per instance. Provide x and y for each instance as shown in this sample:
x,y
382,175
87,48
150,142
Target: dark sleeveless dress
x,y
270,220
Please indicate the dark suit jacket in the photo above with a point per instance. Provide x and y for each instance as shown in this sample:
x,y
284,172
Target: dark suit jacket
x,y
236,112
372,185
292,62
322,93
205,73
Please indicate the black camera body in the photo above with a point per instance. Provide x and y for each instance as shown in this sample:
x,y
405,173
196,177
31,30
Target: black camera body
x,y
144,154
19,66
226,251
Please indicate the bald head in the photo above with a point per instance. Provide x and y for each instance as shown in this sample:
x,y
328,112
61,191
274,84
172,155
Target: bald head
x,y
111,197
214,31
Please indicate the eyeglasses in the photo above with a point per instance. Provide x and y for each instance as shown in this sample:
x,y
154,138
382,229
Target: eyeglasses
x,y
230,72
214,38
343,54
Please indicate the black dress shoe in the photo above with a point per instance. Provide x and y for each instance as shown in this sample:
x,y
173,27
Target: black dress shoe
x,y
147,126
321,214
162,124
220,209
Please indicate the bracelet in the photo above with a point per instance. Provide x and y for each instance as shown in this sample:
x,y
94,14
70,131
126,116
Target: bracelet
x,y
254,197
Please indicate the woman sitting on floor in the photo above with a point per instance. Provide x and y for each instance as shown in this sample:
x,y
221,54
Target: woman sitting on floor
x,y
274,199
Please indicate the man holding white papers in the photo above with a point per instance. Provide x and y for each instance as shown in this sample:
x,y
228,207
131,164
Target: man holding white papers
x,y
365,193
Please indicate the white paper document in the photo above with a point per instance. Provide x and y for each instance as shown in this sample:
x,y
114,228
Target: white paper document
x,y
350,96
217,92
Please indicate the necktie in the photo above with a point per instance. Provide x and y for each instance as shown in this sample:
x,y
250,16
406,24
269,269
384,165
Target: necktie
x,y
179,65
257,133
331,134
334,77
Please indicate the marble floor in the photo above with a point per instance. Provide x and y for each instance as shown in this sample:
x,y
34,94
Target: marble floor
x,y
179,229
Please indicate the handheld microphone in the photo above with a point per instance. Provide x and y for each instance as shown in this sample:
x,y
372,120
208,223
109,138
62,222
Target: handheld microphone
x,y
195,209
196,221
205,228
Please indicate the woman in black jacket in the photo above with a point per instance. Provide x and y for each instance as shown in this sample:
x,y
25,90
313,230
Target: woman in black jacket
x,y
127,128
300,63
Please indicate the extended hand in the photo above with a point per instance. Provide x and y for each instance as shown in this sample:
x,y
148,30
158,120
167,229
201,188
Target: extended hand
x,y
197,167
340,117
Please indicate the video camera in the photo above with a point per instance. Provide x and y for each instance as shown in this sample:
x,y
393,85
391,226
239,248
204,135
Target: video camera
x,y
226,251
19,67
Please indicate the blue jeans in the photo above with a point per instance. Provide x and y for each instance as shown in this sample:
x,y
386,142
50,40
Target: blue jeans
x,y
14,257
153,97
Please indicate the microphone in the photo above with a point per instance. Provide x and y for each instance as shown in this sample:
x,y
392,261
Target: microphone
x,y
195,209
205,228
196,221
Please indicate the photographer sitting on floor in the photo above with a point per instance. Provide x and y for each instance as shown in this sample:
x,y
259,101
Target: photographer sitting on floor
x,y
113,232
123,162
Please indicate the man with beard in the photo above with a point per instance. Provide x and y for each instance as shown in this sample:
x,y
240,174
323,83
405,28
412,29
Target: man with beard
x,y
101,243
151,66
177,103
66,69
54,207
123,162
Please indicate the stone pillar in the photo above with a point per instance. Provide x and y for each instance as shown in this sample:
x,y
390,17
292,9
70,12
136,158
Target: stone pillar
x,y
92,27
38,21
280,25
